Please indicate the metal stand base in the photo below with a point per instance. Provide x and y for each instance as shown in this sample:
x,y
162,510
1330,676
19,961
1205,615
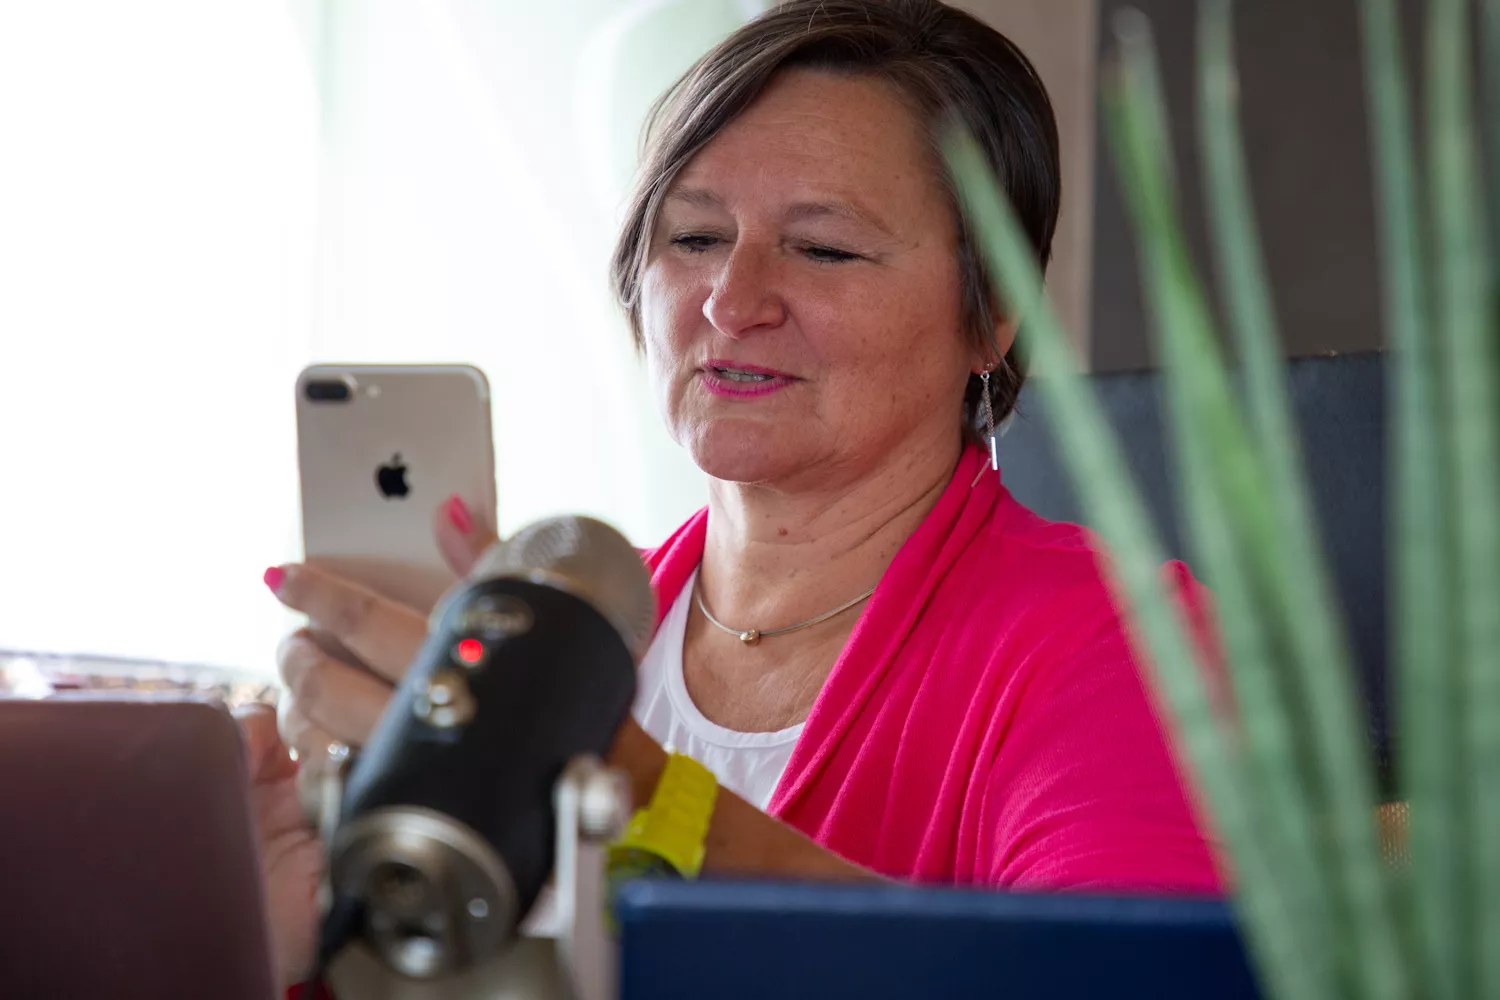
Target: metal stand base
x,y
593,804
530,970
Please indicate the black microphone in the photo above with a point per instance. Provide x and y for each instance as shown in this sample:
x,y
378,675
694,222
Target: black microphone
x,y
446,831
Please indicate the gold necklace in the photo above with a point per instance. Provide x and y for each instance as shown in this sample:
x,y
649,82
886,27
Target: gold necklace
x,y
751,636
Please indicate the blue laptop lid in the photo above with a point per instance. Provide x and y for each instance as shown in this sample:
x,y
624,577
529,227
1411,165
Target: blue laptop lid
x,y
737,941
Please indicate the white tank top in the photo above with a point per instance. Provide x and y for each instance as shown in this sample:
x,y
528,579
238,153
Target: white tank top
x,y
748,764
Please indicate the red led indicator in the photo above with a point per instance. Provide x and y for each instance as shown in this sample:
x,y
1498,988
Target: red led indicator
x,y
470,651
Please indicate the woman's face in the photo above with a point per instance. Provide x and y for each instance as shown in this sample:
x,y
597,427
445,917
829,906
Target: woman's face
x,y
800,305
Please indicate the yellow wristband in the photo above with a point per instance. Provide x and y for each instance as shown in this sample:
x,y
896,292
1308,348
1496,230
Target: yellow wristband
x,y
675,825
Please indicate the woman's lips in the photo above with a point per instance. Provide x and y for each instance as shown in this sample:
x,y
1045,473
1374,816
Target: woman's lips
x,y
737,380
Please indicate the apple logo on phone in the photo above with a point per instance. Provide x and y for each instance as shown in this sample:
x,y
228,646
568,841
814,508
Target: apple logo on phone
x,y
391,478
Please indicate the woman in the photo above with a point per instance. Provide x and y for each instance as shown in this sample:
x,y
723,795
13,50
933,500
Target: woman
x,y
823,342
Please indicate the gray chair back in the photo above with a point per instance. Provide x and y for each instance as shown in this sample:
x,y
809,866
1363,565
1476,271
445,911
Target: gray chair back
x,y
1339,405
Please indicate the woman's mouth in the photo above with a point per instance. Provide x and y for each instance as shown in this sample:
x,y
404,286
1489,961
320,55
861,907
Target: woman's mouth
x,y
740,375
723,378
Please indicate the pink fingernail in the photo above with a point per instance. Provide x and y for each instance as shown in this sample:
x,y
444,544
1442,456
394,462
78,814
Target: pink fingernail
x,y
275,577
458,513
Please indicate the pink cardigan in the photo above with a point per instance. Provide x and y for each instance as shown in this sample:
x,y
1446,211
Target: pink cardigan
x,y
986,723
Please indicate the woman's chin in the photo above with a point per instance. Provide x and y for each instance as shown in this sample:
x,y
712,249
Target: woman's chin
x,y
741,454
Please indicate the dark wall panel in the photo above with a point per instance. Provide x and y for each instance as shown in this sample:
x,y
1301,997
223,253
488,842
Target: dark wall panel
x,y
1303,114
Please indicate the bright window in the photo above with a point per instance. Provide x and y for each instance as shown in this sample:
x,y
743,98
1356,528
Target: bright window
x,y
196,200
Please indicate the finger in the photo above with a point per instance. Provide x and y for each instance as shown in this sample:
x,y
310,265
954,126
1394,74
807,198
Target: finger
x,y
460,536
306,738
266,757
383,633
295,727
306,803
343,701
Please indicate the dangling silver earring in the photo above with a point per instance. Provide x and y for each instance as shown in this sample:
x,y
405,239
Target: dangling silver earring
x,y
989,419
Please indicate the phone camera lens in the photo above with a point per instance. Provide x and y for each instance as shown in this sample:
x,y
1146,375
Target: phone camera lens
x,y
328,391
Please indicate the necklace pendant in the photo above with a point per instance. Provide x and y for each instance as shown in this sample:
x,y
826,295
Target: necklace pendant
x,y
751,637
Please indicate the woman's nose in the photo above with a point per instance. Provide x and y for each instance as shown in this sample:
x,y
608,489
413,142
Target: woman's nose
x,y
745,297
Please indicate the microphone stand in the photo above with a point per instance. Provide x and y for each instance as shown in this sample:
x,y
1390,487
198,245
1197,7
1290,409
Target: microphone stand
x,y
592,804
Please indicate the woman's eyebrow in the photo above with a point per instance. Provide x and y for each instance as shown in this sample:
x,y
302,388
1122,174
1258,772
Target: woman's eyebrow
x,y
696,197
797,212
837,208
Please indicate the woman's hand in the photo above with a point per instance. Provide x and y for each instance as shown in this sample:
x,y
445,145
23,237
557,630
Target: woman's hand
x,y
338,694
329,698
339,678
291,855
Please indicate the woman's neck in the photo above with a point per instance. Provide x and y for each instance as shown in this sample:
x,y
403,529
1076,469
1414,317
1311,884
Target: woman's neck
x,y
774,557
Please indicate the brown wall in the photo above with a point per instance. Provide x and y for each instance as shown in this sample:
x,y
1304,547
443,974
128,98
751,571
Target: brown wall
x,y
1060,37
1302,110
1306,137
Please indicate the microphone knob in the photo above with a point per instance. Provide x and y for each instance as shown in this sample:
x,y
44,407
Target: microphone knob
x,y
447,702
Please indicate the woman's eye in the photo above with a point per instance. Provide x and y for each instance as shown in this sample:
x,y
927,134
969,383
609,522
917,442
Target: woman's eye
x,y
695,242
828,255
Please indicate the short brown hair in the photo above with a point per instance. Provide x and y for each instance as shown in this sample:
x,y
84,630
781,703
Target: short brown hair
x,y
951,66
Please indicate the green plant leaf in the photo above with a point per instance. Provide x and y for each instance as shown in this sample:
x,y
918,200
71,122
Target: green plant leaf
x,y
1491,60
1091,453
1427,747
1468,361
1252,318
1270,701
1298,741
1275,755
1279,547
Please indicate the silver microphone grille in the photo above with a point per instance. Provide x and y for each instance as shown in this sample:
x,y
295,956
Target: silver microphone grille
x,y
585,558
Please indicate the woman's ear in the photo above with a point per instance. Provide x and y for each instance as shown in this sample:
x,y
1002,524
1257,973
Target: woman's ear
x,y
990,356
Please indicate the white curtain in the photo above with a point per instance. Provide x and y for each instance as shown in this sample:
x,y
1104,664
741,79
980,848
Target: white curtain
x,y
196,200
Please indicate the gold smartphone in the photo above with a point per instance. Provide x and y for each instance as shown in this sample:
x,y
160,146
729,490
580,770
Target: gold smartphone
x,y
380,448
